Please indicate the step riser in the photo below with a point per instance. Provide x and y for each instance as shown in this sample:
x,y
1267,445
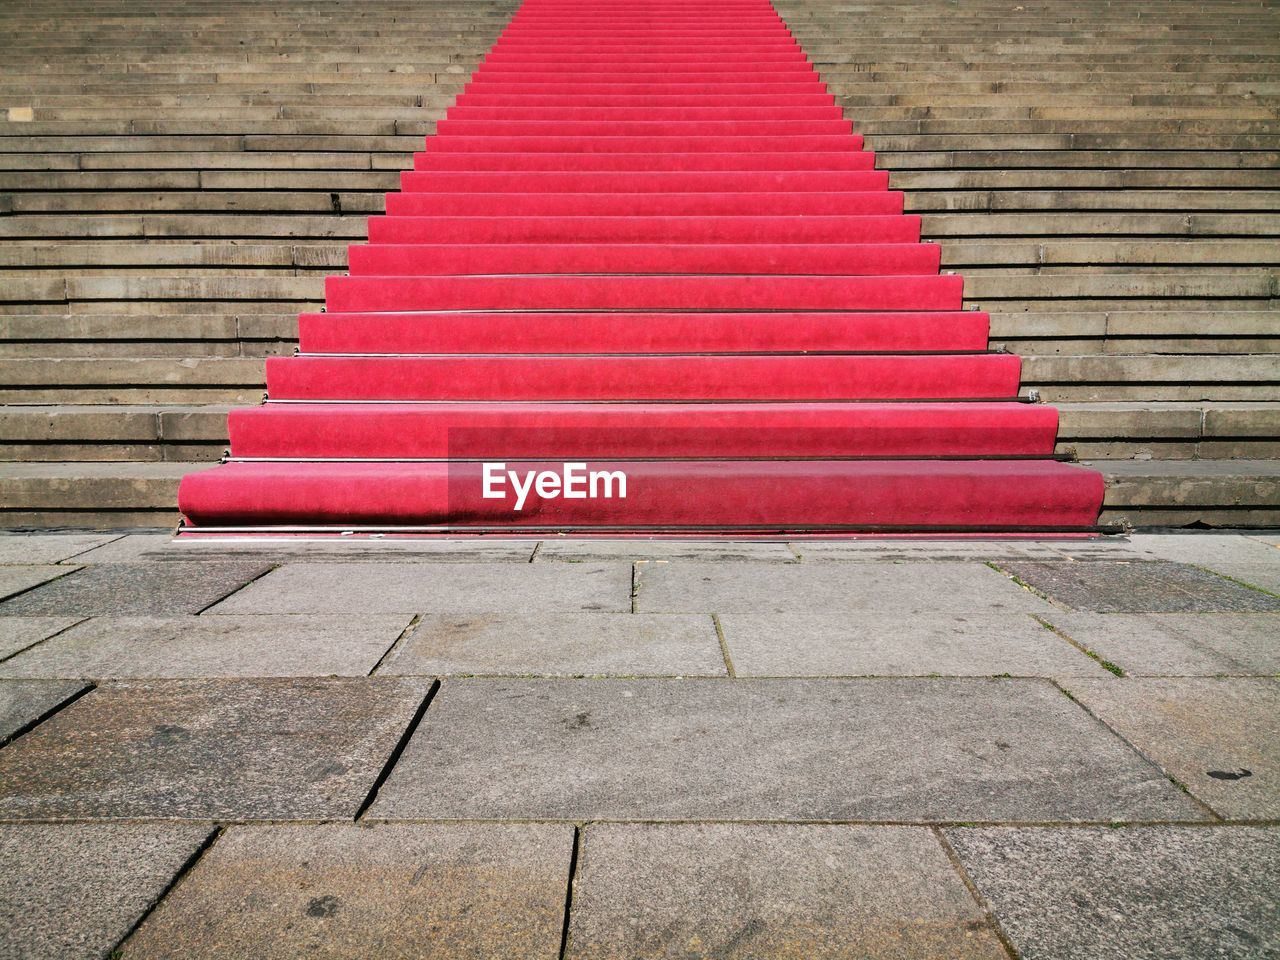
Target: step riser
x,y
643,378
580,169
653,229
515,259
674,143
579,114
643,204
695,130
642,332
626,181
352,294
590,102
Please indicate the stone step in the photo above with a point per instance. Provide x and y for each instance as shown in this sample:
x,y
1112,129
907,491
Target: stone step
x,y
115,495
1112,431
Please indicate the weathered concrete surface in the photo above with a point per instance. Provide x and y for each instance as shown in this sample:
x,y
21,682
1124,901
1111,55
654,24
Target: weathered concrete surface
x,y
904,589
1220,737
439,891
141,547
805,750
134,589
757,890
73,891
884,644
1179,644
48,547
439,588
18,633
1155,586
889,551
1140,893
1206,549
561,644
298,749
212,646
15,579
578,551
25,701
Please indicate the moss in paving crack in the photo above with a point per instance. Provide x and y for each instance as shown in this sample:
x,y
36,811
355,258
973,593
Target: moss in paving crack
x,y
1114,668
1238,582
1017,579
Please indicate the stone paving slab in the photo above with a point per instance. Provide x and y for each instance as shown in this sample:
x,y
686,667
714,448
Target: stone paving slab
x,y
135,589
905,589
73,891
163,547
18,633
1139,893
757,890
656,550
48,547
302,749
805,750
885,644
561,644
1179,644
24,701
1144,586
1206,549
440,891
134,548
15,579
881,551
436,588
212,646
1258,575
1221,737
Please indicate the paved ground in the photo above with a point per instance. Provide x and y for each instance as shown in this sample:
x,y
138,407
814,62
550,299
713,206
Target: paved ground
x,y
600,750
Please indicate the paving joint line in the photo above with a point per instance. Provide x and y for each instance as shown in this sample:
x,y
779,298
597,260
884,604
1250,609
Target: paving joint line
x,y
394,757
958,865
32,646
271,568
575,854
1125,740
1236,580
196,856
724,645
81,553
36,586
410,628
1108,665
48,714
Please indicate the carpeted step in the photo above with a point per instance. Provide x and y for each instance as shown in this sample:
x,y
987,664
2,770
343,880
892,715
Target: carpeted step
x,y
738,496
643,204
653,377
642,430
636,332
446,259
772,229
349,294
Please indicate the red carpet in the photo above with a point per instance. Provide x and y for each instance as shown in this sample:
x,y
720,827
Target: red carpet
x,y
644,278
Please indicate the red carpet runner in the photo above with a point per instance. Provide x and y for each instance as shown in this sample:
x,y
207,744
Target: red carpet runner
x,y
645,242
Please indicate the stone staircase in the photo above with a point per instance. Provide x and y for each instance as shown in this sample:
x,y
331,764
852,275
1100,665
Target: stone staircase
x,y
177,179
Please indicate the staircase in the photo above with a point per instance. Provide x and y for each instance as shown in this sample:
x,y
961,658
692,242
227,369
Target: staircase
x,y
176,178
644,241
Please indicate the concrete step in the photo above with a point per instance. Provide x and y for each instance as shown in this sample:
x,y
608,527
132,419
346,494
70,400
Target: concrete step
x,y
1156,493
1095,431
